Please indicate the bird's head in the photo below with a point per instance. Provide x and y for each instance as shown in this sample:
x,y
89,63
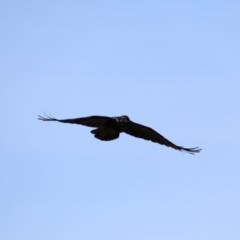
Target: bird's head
x,y
124,118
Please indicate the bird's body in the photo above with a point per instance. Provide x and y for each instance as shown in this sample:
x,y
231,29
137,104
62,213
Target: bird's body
x,y
109,128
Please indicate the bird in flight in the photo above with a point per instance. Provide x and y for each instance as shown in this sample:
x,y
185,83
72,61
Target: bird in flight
x,y
109,128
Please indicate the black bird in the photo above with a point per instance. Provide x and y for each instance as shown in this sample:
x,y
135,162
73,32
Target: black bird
x,y
109,128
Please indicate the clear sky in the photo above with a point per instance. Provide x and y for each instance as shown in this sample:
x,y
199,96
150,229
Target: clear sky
x,y
170,65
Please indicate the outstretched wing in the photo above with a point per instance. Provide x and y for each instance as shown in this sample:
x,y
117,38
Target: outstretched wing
x,y
140,131
92,121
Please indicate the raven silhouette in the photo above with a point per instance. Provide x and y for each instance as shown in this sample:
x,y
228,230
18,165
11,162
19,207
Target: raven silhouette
x,y
109,128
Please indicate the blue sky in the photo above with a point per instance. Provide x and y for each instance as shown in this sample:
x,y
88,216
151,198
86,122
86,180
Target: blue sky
x,y
170,65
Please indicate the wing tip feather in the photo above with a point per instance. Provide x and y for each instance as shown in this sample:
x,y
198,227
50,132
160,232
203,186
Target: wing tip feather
x,y
47,118
191,150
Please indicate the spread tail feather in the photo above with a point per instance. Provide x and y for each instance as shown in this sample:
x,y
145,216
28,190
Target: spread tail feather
x,y
105,134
